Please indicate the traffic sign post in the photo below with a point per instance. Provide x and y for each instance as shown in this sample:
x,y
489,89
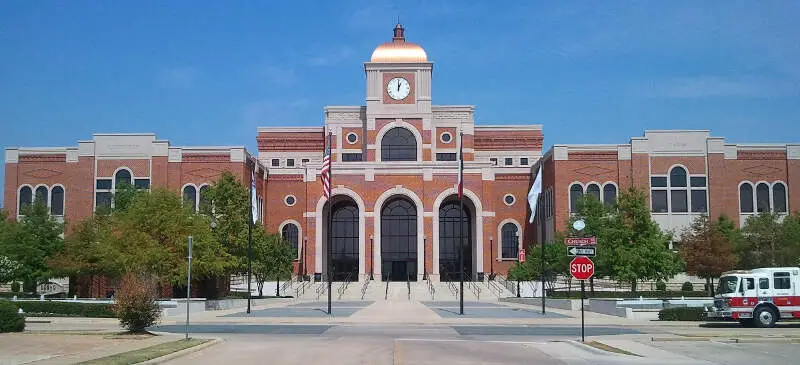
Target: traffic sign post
x,y
582,268
589,251
580,241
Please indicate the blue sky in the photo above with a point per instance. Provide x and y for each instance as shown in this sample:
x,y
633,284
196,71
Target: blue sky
x,y
210,73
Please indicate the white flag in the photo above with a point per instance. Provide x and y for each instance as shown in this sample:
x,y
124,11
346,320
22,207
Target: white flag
x,y
253,199
533,195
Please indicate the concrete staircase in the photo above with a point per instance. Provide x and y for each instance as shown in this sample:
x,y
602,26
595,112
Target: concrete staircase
x,y
376,290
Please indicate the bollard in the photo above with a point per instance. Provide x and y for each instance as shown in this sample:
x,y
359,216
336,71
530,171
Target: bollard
x,y
41,297
75,298
20,311
14,299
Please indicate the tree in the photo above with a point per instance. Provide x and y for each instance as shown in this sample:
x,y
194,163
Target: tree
x,y
31,243
90,249
136,305
8,269
556,263
229,204
272,258
769,239
706,250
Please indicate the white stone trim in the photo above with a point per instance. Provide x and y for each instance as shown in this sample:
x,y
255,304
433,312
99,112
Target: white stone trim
x,y
339,190
390,126
399,190
196,193
299,235
286,197
513,198
72,155
731,152
478,227
509,127
441,137
793,152
12,155
347,138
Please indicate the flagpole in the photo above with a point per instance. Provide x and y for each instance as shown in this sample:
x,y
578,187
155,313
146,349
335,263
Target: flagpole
x,y
330,218
461,223
542,244
250,242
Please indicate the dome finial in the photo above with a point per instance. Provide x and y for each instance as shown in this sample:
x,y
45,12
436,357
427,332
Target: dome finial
x,y
399,35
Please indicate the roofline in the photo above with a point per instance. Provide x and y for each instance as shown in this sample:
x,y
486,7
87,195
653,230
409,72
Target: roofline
x,y
291,129
509,127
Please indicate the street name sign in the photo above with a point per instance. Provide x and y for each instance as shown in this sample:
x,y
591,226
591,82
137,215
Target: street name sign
x,y
580,241
581,251
581,268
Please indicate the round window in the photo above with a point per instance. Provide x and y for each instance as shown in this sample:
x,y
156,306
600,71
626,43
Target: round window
x,y
446,137
352,138
290,200
509,199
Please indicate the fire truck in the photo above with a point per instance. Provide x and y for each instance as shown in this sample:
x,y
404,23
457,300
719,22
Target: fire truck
x,y
758,297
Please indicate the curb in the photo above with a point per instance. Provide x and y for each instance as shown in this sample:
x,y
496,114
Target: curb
x,y
177,354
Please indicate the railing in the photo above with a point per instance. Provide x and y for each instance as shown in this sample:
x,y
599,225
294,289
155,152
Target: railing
x,y
322,289
452,286
431,289
285,285
475,289
493,285
343,286
505,283
386,294
364,288
301,290
408,284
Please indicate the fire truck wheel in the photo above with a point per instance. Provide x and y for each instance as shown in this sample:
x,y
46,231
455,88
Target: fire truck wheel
x,y
746,322
765,317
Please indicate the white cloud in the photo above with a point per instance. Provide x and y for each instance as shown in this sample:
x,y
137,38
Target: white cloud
x,y
179,77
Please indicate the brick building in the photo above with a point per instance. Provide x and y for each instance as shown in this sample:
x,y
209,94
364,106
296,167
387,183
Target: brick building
x,y
687,173
394,209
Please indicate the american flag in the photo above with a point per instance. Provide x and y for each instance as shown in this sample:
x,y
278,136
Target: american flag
x,y
326,170
461,168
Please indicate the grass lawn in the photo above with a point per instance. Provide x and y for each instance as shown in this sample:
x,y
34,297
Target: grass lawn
x,y
147,353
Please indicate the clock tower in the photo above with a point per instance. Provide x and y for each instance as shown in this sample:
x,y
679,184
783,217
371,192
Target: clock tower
x,y
398,80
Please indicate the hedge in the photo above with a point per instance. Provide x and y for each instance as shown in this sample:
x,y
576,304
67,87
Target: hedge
x,y
576,294
10,320
682,314
66,309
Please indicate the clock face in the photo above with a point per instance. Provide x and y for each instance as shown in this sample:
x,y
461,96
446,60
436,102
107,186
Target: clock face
x,y
398,88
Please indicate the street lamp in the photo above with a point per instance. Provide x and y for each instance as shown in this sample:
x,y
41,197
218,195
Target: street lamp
x,y
517,238
491,258
303,259
371,257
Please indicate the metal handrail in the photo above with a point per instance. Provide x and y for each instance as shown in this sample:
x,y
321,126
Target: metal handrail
x,y
284,286
452,286
386,294
301,289
364,288
431,289
408,284
494,285
343,286
322,289
475,289
506,284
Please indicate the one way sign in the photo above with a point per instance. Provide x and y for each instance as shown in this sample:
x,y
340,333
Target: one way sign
x,y
581,251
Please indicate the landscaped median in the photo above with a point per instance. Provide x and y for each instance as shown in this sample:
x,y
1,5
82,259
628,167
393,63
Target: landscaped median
x,y
35,308
152,352
683,314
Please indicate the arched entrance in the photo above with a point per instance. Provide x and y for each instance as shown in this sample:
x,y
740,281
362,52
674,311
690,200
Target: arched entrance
x,y
452,235
399,240
344,240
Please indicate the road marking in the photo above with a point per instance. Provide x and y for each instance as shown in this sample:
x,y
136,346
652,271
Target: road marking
x,y
398,357
462,340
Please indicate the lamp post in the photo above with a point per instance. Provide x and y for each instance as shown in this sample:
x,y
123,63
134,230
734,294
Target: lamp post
x,y
491,258
424,244
303,259
371,257
517,238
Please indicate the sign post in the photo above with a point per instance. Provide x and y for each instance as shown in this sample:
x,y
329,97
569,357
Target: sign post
x,y
582,268
188,287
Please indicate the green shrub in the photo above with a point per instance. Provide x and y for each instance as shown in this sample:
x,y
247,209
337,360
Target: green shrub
x,y
687,286
15,287
661,286
10,320
136,305
35,308
576,294
682,314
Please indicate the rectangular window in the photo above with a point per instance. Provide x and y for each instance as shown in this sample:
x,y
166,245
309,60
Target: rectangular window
x,y
290,162
351,157
304,161
699,201
445,157
276,162
659,201
698,181
493,160
678,200
763,283
523,161
658,181
509,161
142,183
750,283
103,200
103,184
782,280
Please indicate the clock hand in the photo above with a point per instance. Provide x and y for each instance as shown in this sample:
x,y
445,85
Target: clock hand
x,y
398,86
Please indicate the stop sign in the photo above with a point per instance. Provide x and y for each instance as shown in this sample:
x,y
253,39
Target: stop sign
x,y
581,268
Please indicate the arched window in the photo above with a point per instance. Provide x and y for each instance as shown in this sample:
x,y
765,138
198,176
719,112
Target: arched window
x,y
677,177
452,235
593,190
344,239
205,201
41,195
190,196
575,193
510,240
122,176
25,199
398,144
746,198
762,198
779,198
57,201
610,194
290,233
399,240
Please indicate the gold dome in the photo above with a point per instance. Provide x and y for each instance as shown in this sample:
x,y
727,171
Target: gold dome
x,y
398,50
